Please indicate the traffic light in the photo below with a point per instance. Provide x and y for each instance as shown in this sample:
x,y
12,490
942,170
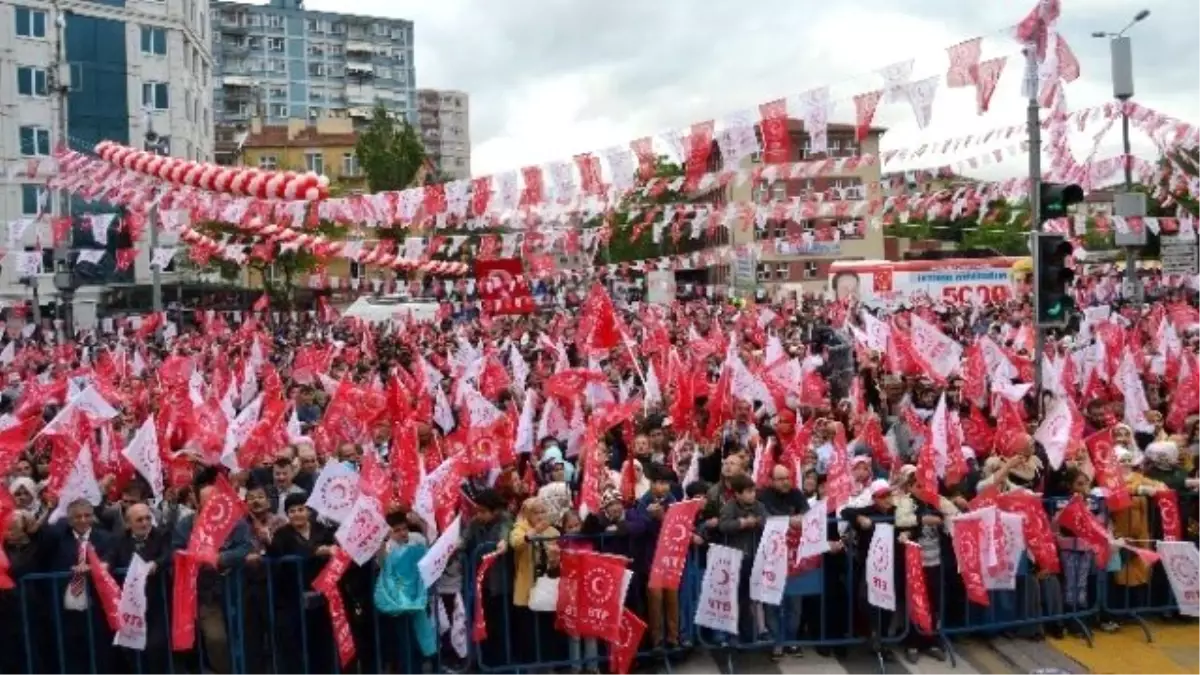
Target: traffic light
x,y
1052,280
1056,198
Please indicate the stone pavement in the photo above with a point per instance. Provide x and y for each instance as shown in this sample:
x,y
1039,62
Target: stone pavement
x,y
972,656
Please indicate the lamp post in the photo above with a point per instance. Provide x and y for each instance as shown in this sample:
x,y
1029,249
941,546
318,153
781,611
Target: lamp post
x,y
159,145
64,282
1129,204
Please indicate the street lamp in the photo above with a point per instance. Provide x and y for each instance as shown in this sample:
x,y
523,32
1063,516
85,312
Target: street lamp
x,y
159,145
1122,79
64,282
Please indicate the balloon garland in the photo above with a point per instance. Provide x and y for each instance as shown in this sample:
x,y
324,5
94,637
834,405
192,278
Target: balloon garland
x,y
236,180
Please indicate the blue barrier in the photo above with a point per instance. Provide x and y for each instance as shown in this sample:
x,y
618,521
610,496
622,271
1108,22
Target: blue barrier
x,y
264,618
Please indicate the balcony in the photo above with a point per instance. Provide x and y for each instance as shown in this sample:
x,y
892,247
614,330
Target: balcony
x,y
237,81
359,48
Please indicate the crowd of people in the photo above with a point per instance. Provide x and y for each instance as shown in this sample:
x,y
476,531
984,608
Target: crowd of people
x,y
529,439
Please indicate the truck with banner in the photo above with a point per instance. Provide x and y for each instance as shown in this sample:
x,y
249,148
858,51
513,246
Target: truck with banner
x,y
951,280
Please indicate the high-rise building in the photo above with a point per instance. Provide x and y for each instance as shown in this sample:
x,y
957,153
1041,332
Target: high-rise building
x,y
280,61
444,123
74,74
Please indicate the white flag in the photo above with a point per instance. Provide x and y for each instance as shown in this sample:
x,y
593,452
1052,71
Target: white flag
x,y
433,564
813,541
768,575
1181,560
132,606
881,570
718,605
142,453
363,531
335,492
80,484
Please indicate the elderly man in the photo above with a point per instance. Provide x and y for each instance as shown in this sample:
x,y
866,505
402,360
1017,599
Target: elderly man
x,y
67,543
143,539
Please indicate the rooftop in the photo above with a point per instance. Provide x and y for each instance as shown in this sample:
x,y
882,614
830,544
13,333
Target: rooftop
x,y
326,132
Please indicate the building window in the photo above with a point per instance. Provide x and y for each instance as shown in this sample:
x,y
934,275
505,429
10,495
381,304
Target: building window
x,y
33,199
315,25
382,30
335,50
31,23
383,73
35,141
154,41
316,69
782,271
268,162
274,21
187,106
810,270
279,110
764,271
31,81
316,50
338,28
275,44
277,65
156,96
277,92
349,164
314,162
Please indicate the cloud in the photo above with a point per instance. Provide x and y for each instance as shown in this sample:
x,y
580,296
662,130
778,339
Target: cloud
x,y
552,78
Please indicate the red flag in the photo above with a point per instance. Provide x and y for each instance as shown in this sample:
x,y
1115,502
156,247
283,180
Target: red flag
x,y
262,304
183,602
674,539
1076,518
479,630
838,487
219,514
1168,506
919,609
1103,454
106,589
624,648
967,535
594,602
1039,538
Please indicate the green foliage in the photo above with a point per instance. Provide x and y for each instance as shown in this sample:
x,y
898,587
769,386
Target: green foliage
x,y
390,152
1004,227
631,214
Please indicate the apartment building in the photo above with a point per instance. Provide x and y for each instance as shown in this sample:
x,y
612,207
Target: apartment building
x,y
112,70
444,123
281,61
795,256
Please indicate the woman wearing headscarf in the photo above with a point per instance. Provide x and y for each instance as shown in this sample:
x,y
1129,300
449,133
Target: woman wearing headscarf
x,y
1132,524
25,494
555,474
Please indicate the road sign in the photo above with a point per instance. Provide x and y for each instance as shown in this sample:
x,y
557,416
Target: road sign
x,y
1180,256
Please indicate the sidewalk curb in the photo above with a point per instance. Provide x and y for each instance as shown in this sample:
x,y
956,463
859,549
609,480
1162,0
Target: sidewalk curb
x,y
1026,656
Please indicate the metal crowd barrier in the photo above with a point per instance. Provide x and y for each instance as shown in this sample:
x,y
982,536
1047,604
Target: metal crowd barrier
x,y
264,618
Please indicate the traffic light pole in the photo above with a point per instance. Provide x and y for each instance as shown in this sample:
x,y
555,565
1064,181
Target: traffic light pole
x,y
1034,123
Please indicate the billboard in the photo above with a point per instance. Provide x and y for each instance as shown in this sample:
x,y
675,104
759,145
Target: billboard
x,y
952,281
502,286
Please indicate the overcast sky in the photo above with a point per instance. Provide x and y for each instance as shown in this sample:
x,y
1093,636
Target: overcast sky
x,y
552,78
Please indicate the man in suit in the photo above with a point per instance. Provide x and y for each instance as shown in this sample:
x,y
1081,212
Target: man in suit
x,y
141,538
84,627
211,584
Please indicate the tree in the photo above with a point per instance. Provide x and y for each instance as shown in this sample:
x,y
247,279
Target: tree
x,y
1003,227
630,219
390,152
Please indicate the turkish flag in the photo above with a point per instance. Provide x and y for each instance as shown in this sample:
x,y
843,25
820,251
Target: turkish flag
x,y
1076,518
590,589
